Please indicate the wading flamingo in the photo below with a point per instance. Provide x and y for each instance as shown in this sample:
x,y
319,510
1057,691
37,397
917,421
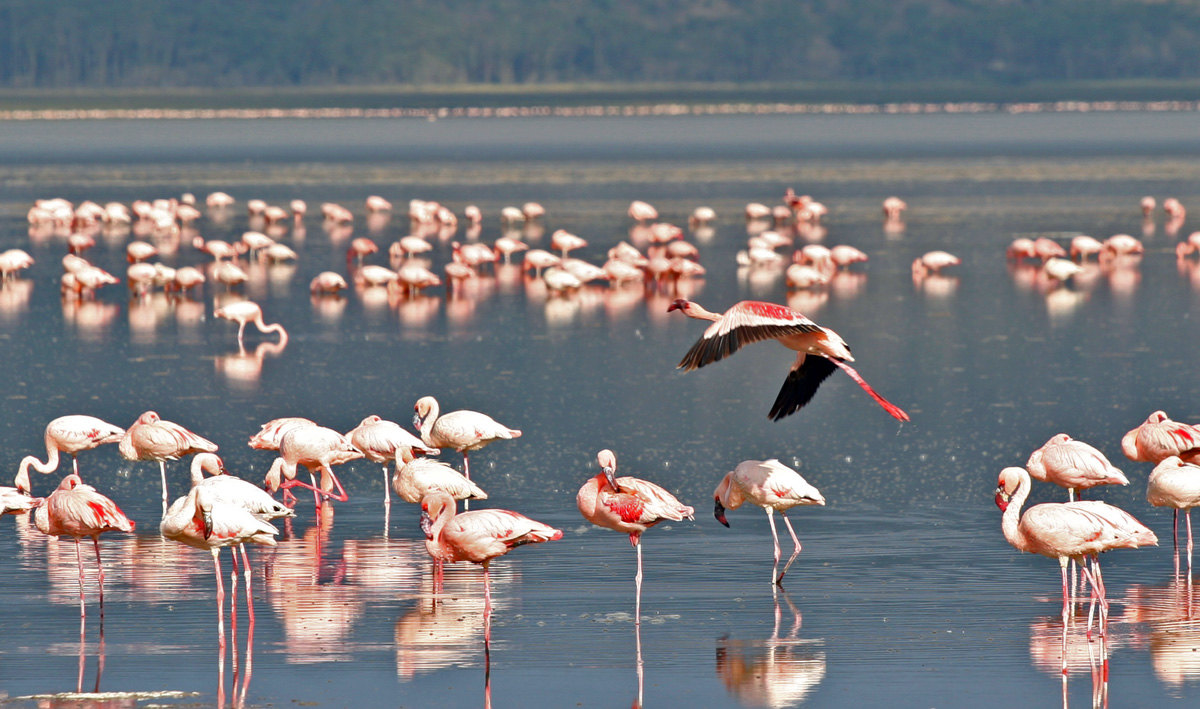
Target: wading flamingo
x,y
820,349
630,505
463,431
316,448
1067,531
1158,438
1072,464
68,434
234,490
1174,483
271,433
76,510
202,521
477,536
416,477
152,438
772,486
383,441
246,311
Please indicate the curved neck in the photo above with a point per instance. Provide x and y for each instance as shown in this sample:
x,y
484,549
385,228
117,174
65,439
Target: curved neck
x,y
1010,523
276,327
695,310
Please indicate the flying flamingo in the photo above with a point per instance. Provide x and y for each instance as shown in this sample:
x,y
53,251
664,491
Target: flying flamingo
x,y
464,430
627,504
316,448
1174,483
383,441
246,311
772,486
152,438
1072,464
68,434
1067,531
77,510
477,536
820,349
203,521
1159,438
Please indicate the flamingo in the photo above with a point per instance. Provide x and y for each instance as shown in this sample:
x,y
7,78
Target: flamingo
x,y
627,504
772,486
67,434
415,477
271,432
752,321
234,490
1067,531
314,447
1158,438
77,510
247,311
934,262
383,441
463,431
1174,483
151,438
478,536
13,501
641,211
202,520
1072,464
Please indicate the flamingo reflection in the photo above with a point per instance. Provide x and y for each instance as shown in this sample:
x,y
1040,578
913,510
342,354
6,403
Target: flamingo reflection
x,y
1064,650
780,671
243,368
1171,613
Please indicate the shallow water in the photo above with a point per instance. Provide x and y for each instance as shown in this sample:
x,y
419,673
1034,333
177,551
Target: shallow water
x,y
905,592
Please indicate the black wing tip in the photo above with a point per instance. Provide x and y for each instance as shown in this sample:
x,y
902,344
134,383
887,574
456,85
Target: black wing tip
x,y
800,386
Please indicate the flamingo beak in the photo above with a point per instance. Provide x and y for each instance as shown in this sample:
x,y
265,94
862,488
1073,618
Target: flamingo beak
x,y
719,512
1002,499
417,421
610,475
427,524
207,524
677,305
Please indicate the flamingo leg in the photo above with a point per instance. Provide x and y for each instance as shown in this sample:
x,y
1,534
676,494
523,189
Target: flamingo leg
x,y
775,539
249,591
1066,596
100,577
487,607
162,471
341,495
387,488
241,331
637,606
795,552
467,475
220,607
1188,516
82,606
233,581
1175,536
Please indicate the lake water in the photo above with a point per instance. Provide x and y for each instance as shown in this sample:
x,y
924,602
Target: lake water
x,y
906,592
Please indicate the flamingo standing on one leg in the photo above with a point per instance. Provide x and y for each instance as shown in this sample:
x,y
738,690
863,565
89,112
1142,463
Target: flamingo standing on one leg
x,y
246,311
1067,531
152,438
1174,483
820,349
477,536
464,430
77,510
627,504
383,441
68,434
772,486
1072,464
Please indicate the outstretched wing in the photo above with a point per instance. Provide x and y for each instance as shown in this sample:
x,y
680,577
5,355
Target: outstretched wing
x,y
743,324
801,384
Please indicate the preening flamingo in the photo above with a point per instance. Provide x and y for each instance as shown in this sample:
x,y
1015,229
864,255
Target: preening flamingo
x,y
152,438
1158,438
68,434
772,486
1072,464
463,431
76,510
246,311
477,536
1067,531
383,441
630,505
1174,483
820,350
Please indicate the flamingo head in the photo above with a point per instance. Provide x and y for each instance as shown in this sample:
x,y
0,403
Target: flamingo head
x,y
148,417
608,466
679,304
719,512
22,480
1007,487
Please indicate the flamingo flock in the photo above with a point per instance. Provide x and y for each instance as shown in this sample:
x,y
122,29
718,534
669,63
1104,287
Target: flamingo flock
x,y
224,511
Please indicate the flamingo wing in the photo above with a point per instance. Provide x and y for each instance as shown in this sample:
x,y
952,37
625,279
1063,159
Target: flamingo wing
x,y
801,384
745,323
506,527
643,502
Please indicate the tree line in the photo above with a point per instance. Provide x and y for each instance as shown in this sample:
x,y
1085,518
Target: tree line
x,y
233,43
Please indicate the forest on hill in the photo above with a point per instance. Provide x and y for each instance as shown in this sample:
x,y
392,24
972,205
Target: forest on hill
x,y
306,43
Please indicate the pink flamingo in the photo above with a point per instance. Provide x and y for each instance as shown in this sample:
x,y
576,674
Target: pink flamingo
x,y
67,434
234,490
246,311
77,510
627,504
383,441
1072,464
152,438
203,521
478,536
316,448
642,211
1067,531
271,433
1159,438
416,477
1174,483
934,262
463,431
820,350
13,501
772,486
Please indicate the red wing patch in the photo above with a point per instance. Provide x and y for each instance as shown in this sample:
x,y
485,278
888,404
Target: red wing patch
x,y
628,507
770,310
1185,434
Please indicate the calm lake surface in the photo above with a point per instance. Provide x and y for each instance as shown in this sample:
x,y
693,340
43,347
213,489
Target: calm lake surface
x,y
905,594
